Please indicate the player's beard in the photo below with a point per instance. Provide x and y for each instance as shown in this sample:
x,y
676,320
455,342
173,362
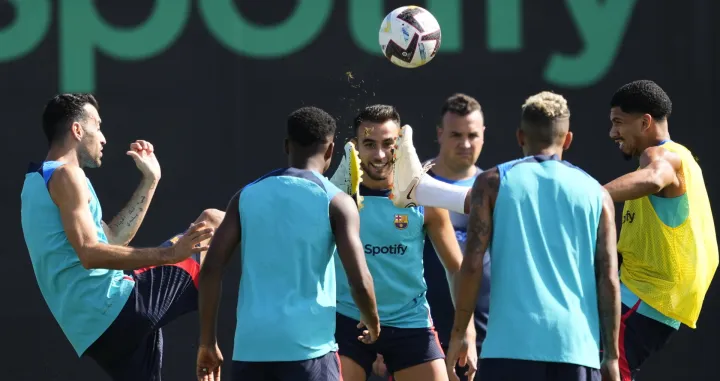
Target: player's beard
x,y
86,159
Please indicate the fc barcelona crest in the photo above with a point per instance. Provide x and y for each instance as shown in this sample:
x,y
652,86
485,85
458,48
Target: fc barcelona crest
x,y
401,221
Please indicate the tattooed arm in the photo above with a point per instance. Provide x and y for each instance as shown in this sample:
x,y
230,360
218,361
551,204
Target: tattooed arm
x,y
606,275
123,227
483,195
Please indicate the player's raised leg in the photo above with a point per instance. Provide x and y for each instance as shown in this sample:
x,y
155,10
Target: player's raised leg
x,y
161,295
411,186
211,218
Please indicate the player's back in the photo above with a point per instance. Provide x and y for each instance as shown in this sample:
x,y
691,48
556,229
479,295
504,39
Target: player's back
x,y
544,299
286,302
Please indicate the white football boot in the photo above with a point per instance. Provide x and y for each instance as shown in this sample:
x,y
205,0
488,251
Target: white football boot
x,y
407,170
348,175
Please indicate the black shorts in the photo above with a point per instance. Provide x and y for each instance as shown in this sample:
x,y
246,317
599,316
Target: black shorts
x,y
640,337
131,348
521,370
401,348
324,368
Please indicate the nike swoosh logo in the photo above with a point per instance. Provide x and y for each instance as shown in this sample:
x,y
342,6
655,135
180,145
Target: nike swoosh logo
x,y
410,191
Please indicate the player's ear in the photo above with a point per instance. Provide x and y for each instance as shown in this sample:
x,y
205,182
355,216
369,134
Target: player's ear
x,y
329,151
568,141
77,131
646,121
439,131
520,137
287,146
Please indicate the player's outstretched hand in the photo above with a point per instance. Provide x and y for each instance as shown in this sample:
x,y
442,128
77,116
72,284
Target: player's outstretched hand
x,y
144,155
209,360
191,242
370,332
610,370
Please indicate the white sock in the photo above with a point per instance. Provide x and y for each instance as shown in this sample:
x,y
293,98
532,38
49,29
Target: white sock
x,y
437,194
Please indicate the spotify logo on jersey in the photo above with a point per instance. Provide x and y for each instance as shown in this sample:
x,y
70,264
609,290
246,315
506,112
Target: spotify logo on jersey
x,y
398,249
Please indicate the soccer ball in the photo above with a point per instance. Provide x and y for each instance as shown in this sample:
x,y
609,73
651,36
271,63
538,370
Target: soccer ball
x,y
410,36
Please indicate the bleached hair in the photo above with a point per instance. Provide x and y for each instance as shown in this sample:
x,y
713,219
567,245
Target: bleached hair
x,y
549,104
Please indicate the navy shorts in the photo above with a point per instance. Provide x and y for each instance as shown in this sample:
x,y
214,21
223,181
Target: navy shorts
x,y
401,348
323,368
131,348
521,370
640,337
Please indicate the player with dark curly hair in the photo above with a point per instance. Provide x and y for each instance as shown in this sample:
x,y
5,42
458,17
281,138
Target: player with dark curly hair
x,y
290,222
667,240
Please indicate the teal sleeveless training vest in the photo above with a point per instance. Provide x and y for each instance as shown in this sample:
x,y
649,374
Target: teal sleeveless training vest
x,y
544,304
286,302
393,239
84,302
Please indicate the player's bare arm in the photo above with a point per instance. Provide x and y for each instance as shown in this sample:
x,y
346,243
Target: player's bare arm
x,y
223,247
122,229
657,174
442,235
69,191
480,226
345,222
608,284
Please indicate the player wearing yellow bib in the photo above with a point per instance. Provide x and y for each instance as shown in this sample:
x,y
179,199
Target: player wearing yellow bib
x,y
667,240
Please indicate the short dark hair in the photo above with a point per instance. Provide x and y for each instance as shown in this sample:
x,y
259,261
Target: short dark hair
x,y
460,104
376,114
643,96
539,114
310,125
62,111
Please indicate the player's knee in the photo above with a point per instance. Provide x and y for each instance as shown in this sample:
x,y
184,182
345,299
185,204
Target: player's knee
x,y
213,217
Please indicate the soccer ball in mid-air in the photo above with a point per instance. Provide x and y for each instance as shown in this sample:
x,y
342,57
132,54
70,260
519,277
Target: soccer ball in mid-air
x,y
410,36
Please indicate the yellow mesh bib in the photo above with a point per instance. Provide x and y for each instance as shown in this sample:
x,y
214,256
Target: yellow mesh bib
x,y
670,268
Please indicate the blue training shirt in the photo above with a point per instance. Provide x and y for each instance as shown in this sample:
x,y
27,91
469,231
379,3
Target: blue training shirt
x,y
393,240
544,298
286,302
84,302
438,294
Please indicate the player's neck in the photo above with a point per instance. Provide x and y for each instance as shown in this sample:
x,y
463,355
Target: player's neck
x,y
65,155
546,151
308,163
445,171
660,138
369,183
